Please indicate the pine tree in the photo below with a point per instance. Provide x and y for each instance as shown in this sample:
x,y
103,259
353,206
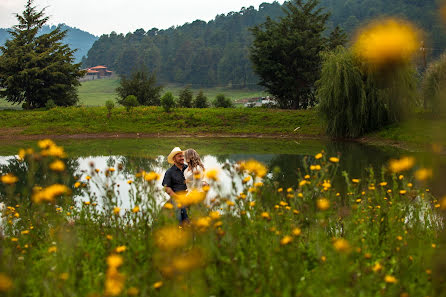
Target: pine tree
x,y
36,68
186,97
286,53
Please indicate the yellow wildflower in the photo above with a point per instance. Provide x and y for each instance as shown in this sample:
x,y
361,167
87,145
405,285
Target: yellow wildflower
x,y
57,165
157,285
323,204
129,182
390,279
212,174
121,249
5,282
192,197
109,237
114,261
286,240
9,179
356,180
202,223
214,215
265,215
77,184
387,41
297,231
116,210
24,232
111,169
377,267
403,192
258,184
229,203
303,183
88,177
401,165
307,176
246,179
49,193
135,209
52,249
315,167
318,156
170,238
253,167
151,176
168,205
326,185
341,245
21,154
132,291
423,174
383,184
64,276
334,160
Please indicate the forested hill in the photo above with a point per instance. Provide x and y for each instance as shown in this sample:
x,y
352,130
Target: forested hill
x,y
76,39
216,53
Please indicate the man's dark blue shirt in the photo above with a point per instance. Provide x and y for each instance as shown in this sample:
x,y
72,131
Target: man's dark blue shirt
x,y
174,178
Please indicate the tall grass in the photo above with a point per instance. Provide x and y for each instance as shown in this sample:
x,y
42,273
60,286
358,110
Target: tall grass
x,y
376,238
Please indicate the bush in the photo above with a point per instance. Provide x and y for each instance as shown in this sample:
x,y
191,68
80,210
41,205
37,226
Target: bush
x,y
109,104
434,85
168,102
143,86
129,102
201,101
186,97
222,101
50,104
354,100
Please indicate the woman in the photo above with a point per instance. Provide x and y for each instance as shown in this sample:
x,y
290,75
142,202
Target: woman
x,y
194,173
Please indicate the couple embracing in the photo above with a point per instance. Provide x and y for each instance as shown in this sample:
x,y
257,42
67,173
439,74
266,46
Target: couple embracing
x,y
181,177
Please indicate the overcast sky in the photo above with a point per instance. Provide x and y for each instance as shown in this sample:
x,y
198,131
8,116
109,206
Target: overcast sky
x,y
123,16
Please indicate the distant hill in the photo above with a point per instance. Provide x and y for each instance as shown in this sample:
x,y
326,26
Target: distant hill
x,y
76,39
216,53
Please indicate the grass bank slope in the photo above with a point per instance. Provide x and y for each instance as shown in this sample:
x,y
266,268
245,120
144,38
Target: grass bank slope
x,y
80,120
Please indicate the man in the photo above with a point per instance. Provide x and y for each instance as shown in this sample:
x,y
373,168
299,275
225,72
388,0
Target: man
x,y
174,180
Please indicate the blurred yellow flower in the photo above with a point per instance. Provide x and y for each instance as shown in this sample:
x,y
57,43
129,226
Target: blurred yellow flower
x,y
5,283
57,165
286,240
253,167
297,231
202,223
157,285
48,194
390,279
168,205
54,151
132,291
318,156
64,276
116,210
403,164
315,167
386,42
151,176
114,261
341,245
334,160
326,184
121,249
323,204
356,180
77,184
246,179
171,237
189,198
135,209
377,267
9,179
214,215
423,174
383,184
212,174
52,249
265,215
22,154
443,203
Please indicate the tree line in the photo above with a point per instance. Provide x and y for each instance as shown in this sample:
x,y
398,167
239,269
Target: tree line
x,y
216,53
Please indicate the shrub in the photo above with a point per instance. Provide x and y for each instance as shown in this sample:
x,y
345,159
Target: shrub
x,y
201,101
168,102
355,100
185,99
142,85
434,85
109,104
129,102
222,101
50,104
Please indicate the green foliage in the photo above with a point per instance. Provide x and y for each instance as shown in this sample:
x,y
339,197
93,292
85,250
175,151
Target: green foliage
x,y
355,100
287,58
36,68
129,102
142,85
50,104
222,101
201,101
109,104
168,102
434,86
186,97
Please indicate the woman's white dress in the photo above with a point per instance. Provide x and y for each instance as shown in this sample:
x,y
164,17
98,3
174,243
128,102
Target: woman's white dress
x,y
191,181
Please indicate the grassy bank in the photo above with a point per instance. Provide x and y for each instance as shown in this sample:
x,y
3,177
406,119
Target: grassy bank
x,y
154,120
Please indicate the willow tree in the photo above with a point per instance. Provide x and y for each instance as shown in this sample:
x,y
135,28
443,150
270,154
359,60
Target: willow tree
x,y
36,68
434,86
354,100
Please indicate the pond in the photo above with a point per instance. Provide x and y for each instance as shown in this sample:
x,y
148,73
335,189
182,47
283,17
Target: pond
x,y
285,159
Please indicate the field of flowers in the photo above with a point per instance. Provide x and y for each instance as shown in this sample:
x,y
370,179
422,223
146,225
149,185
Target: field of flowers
x,y
376,237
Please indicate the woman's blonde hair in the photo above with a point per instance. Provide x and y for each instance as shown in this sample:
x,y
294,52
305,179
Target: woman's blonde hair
x,y
193,159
